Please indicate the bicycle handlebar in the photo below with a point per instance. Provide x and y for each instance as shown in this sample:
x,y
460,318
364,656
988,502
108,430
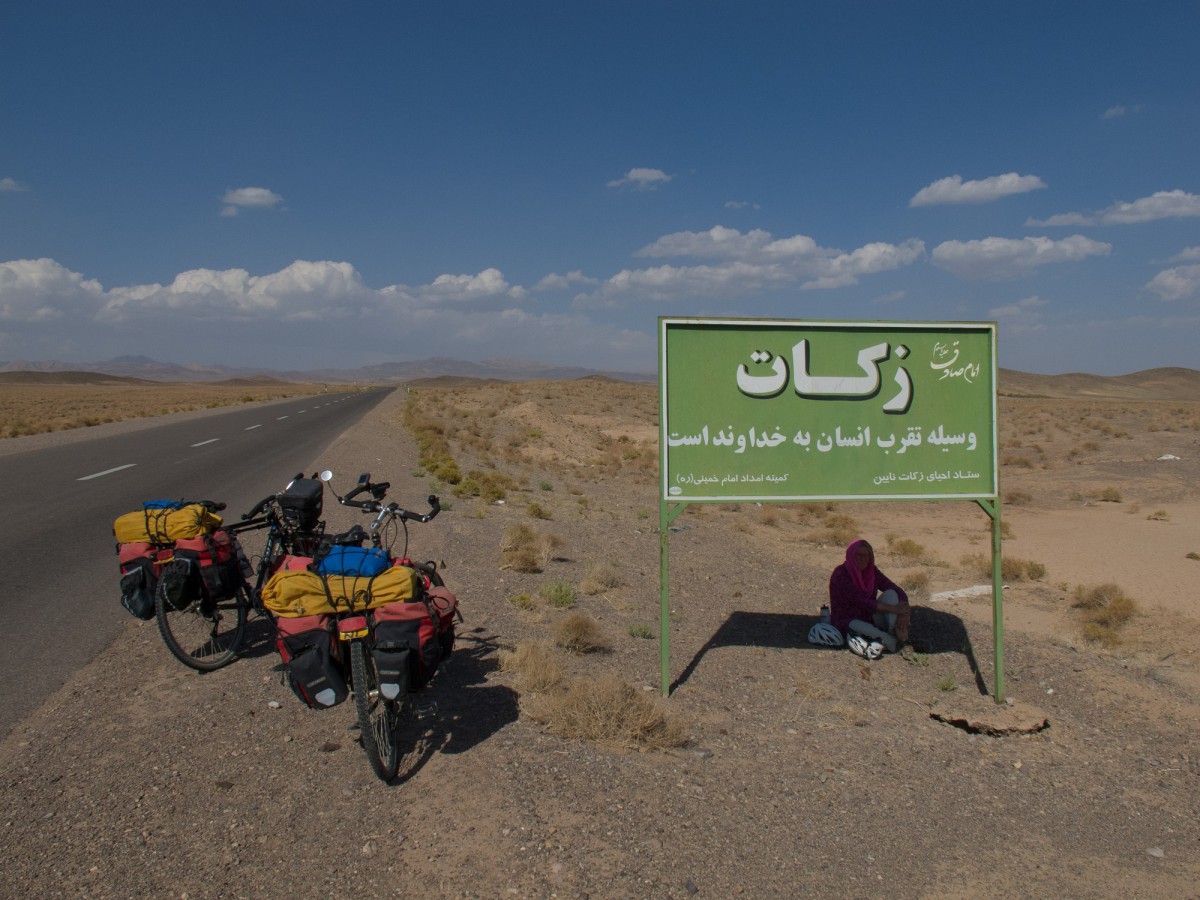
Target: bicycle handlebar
x,y
259,507
377,506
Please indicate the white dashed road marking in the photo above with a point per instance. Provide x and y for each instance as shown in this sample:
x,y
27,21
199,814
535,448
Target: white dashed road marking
x,y
106,472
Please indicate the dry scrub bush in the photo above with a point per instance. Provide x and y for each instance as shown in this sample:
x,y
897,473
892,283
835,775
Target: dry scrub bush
x,y
916,585
907,551
1012,568
839,530
1106,609
600,577
1107,495
580,633
523,549
557,593
1018,498
610,710
534,666
522,601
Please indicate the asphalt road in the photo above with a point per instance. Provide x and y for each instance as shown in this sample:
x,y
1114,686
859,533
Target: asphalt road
x,y
60,595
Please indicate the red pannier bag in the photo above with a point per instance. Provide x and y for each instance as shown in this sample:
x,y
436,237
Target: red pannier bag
x,y
411,639
217,559
305,644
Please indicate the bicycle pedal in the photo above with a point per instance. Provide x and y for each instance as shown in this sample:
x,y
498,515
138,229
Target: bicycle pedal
x,y
426,710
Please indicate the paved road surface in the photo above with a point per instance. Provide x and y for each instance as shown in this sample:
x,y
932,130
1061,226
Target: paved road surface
x,y
59,592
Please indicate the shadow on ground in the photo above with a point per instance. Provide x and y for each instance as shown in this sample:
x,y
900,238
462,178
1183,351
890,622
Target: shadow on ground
x,y
932,631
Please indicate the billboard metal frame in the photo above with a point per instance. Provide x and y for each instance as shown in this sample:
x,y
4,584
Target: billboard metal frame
x,y
783,410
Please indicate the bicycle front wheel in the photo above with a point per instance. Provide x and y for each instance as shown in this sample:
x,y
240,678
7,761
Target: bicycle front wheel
x,y
205,634
379,719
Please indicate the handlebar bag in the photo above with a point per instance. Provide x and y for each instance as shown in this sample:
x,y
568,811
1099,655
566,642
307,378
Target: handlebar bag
x,y
301,503
343,560
164,526
305,644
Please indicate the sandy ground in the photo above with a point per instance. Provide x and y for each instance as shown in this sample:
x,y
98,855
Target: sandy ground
x,y
807,772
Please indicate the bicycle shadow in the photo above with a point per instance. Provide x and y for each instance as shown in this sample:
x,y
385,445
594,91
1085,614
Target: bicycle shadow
x,y
469,710
258,640
932,630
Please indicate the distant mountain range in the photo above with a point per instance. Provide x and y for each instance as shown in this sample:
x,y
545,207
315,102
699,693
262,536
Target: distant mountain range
x,y
384,373
1151,384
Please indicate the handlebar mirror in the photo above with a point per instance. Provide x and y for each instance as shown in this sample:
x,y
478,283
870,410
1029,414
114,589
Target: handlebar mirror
x,y
326,475
364,478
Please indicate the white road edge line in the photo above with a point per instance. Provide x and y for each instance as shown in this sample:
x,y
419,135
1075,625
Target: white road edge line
x,y
251,427
209,441
106,472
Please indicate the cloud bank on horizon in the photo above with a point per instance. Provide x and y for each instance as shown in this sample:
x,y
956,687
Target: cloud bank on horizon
x,y
491,219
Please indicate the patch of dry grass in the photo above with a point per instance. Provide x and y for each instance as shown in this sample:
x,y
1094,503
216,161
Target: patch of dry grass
x,y
907,551
37,408
524,549
1106,609
1012,568
534,666
600,577
607,709
580,633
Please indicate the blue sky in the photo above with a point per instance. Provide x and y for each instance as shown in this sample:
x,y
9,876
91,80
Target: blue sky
x,y
294,184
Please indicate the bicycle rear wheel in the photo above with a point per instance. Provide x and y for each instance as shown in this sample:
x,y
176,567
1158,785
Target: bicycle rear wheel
x,y
205,634
379,719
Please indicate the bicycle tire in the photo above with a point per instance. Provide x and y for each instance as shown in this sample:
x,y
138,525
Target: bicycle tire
x,y
204,635
379,719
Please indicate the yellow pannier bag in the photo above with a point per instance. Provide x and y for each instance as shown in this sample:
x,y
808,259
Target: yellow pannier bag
x,y
165,526
301,593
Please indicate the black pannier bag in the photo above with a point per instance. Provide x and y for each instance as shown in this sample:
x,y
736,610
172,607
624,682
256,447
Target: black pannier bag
x,y
180,583
312,670
138,584
301,503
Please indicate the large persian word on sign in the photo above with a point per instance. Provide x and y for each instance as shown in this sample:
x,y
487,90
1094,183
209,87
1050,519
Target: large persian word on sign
x,y
758,410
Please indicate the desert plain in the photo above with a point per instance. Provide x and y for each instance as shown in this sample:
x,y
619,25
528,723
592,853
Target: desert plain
x,y
550,766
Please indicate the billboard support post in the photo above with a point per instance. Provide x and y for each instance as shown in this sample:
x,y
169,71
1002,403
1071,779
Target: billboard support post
x,y
776,411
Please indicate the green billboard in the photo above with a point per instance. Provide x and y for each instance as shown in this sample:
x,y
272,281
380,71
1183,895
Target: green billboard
x,y
784,410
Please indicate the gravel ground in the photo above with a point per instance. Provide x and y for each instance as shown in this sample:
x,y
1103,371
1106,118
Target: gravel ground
x,y
809,772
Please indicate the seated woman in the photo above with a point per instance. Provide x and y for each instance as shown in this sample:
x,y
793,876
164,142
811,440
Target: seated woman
x,y
856,605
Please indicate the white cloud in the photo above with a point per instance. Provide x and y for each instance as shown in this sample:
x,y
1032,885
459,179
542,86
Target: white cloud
x,y
1186,255
1177,283
302,291
1175,204
641,179
1024,313
236,199
303,316
747,263
1117,112
11,185
741,204
955,190
1001,258
716,243
41,290
556,282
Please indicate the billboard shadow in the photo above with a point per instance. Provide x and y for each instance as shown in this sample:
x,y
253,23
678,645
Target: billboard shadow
x,y
933,631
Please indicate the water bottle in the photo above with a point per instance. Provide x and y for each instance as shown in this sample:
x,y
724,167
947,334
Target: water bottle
x,y
825,613
243,563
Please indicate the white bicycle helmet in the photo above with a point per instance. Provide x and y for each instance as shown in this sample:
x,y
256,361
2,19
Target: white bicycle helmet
x,y
860,646
825,635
